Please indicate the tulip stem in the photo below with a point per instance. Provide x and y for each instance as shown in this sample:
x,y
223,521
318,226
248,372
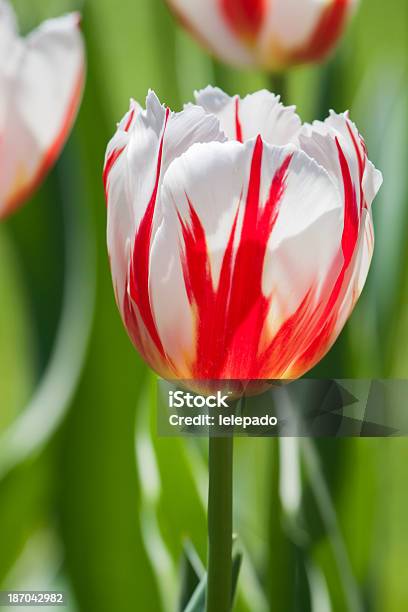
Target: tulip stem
x,y
219,584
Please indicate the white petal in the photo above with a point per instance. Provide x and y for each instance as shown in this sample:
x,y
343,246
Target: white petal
x,y
292,22
260,113
207,23
358,272
366,249
130,180
213,177
352,141
319,141
42,83
130,173
8,36
372,181
301,250
8,27
306,240
190,126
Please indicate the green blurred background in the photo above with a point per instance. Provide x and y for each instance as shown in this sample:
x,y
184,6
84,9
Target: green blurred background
x,y
91,500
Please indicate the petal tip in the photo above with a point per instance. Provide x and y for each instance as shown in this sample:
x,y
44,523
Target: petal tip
x,y
77,16
153,100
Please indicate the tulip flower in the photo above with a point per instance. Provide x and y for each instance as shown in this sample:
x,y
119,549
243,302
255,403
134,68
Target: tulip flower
x,y
273,34
239,239
41,78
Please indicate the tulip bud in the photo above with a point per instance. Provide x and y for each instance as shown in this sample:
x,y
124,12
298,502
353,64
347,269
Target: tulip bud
x,y
41,80
239,239
273,34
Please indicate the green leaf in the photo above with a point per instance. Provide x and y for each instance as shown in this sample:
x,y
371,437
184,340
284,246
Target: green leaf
x,y
280,564
236,566
302,593
16,341
197,601
192,571
24,494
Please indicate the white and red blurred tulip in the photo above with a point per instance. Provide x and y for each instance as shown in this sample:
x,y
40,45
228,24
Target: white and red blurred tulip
x,y
41,81
272,34
239,239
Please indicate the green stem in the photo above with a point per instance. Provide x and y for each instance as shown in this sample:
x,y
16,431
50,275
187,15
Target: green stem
x,y
219,585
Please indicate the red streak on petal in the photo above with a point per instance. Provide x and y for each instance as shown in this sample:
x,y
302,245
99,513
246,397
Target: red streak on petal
x,y
244,17
114,156
322,331
52,152
361,162
238,126
130,320
357,149
351,220
280,353
110,162
199,284
130,119
231,318
248,305
140,263
328,30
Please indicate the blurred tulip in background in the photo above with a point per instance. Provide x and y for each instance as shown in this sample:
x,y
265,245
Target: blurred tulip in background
x,y
41,80
273,34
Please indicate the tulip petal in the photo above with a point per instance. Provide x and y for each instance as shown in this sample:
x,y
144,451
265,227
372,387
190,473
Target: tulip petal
x,y
207,22
259,113
136,161
357,237
295,32
245,17
42,78
292,22
353,145
319,141
8,28
249,233
358,273
272,34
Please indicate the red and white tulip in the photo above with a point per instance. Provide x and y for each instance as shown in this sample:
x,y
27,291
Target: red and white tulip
x,y
239,239
41,80
273,34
